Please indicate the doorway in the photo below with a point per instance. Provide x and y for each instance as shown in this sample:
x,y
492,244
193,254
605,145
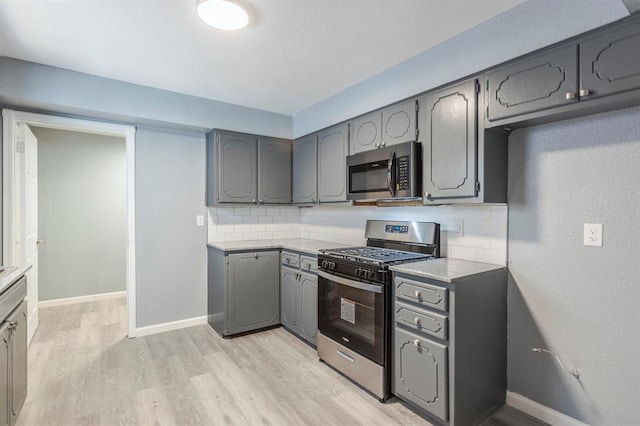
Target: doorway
x,y
20,206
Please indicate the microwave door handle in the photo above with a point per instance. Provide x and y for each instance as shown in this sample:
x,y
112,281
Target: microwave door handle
x,y
390,174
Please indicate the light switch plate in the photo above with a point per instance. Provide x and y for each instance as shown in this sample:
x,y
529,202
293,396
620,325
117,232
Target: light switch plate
x,y
200,220
593,234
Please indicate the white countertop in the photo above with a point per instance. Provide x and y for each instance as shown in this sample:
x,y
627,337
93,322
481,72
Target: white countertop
x,y
295,244
9,275
444,269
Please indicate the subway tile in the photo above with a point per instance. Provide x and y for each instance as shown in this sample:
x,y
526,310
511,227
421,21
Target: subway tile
x,y
242,228
233,220
265,235
233,236
215,237
248,236
477,213
279,234
477,233
497,257
265,219
241,211
224,211
250,219
464,253
257,211
257,228
293,234
500,213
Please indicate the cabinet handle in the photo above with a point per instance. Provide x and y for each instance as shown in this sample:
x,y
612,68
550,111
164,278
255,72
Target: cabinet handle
x,y
261,202
417,294
255,255
570,95
382,144
377,145
416,320
417,342
253,201
288,260
345,356
427,195
585,92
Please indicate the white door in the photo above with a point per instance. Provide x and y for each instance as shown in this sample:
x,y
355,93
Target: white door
x,y
30,230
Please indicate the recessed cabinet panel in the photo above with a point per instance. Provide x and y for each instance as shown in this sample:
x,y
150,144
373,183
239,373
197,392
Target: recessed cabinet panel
x,y
422,322
4,374
237,168
333,144
274,165
366,133
305,170
609,62
399,123
254,290
309,307
450,142
544,81
289,294
18,360
421,372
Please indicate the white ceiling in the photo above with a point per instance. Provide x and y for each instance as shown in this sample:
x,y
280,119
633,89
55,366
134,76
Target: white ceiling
x,y
294,54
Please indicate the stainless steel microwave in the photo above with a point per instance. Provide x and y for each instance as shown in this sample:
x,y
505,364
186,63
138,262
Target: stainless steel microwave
x,y
387,173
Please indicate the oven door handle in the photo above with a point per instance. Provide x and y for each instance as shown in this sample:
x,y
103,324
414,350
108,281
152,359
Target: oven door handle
x,y
351,283
392,158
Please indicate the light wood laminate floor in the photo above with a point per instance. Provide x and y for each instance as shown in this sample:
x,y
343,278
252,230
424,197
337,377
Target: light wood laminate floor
x,y
83,370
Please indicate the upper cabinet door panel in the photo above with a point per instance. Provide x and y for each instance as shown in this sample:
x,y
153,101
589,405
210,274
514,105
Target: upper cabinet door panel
x,y
399,123
332,163
449,119
305,170
237,156
543,81
365,133
275,171
610,61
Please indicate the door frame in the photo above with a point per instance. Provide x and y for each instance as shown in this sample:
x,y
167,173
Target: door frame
x,y
10,120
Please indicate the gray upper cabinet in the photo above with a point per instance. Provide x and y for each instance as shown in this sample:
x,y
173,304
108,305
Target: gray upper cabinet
x,y
366,133
389,126
237,167
253,291
448,118
274,165
247,169
305,170
543,81
399,123
333,148
609,61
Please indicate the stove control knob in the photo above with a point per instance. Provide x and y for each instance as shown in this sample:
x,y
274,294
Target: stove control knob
x,y
332,265
324,264
359,272
370,274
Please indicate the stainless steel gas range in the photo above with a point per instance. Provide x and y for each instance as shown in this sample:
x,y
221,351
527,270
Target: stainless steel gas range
x,y
354,299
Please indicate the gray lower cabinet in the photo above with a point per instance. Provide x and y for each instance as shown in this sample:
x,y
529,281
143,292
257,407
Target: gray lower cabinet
x,y
305,170
299,295
247,169
543,81
13,351
388,126
333,148
243,290
449,345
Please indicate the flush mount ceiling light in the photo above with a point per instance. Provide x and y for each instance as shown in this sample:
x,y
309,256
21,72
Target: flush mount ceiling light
x,y
223,14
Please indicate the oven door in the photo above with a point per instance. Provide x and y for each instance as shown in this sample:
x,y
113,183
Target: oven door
x,y
353,314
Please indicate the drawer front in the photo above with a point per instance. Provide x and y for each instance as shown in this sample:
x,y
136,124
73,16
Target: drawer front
x,y
290,259
422,293
425,323
309,264
12,297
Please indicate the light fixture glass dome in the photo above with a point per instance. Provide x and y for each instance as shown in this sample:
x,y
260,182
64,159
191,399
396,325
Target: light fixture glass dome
x,y
223,14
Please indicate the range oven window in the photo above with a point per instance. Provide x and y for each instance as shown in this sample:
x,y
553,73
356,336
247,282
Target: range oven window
x,y
369,177
353,317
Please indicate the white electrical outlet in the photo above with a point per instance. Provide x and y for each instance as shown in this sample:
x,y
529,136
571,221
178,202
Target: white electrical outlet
x,y
200,220
459,228
454,227
593,234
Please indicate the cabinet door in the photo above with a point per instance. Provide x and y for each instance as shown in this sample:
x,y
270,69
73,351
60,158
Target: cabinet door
x,y
399,123
237,165
421,374
333,144
305,170
289,295
366,133
309,307
254,290
274,164
4,375
18,359
609,61
533,84
449,119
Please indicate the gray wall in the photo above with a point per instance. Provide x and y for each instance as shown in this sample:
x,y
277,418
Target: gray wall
x,y
527,27
81,214
581,302
171,250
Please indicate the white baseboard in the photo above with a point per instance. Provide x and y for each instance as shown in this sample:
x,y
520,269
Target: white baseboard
x,y
81,299
169,326
540,411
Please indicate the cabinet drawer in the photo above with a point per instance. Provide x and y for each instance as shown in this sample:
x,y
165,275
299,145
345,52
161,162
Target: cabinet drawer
x,y
422,293
422,322
291,259
308,263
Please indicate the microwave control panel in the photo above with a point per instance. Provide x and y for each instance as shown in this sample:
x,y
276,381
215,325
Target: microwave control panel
x,y
402,182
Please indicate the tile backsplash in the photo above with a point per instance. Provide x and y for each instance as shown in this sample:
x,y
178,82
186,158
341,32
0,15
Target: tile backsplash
x,y
483,238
